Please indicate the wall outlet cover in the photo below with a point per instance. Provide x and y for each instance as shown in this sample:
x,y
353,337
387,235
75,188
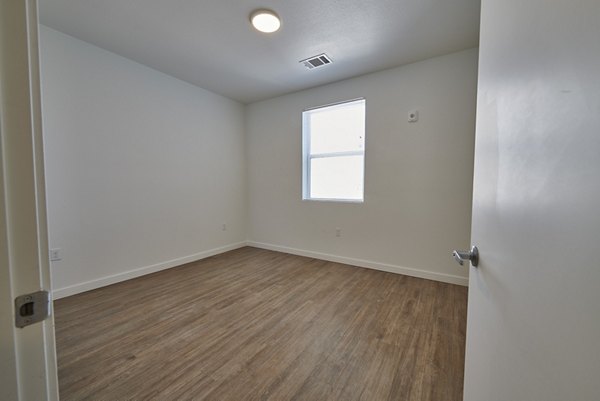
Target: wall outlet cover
x,y
55,254
413,116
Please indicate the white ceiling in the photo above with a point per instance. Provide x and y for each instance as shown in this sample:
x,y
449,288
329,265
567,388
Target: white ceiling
x,y
210,43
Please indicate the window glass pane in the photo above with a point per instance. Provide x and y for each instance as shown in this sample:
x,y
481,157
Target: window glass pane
x,y
338,128
337,177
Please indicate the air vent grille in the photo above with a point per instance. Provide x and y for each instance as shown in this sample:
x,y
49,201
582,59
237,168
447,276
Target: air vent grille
x,y
316,61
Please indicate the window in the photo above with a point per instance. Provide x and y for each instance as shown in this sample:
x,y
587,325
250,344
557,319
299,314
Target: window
x,y
334,152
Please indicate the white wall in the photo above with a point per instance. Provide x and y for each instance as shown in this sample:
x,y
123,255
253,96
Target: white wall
x,y
418,177
142,169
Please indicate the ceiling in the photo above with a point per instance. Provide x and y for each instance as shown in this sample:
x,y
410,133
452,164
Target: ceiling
x,y
211,43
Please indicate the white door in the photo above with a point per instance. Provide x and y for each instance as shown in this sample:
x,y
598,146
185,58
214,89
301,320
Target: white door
x,y
27,360
533,329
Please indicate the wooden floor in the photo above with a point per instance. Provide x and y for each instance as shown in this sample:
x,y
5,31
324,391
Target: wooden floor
x,y
253,324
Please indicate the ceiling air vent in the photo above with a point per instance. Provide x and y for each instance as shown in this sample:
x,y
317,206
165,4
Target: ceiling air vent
x,y
316,61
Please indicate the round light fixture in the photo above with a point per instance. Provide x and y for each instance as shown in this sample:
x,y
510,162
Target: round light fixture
x,y
265,21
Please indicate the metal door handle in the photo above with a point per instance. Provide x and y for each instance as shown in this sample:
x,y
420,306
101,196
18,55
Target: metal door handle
x,y
472,255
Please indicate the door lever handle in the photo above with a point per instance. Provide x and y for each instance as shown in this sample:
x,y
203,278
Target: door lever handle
x,y
472,255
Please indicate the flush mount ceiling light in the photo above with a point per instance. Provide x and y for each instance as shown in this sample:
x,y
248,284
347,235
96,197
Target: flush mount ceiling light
x,y
265,21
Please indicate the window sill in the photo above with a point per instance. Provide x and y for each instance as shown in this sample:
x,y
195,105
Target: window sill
x,y
334,200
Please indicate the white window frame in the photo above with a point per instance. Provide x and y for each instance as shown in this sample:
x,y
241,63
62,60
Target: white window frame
x,y
307,157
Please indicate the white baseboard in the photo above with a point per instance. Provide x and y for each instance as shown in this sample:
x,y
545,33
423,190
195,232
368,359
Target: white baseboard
x,y
129,274
445,278
116,278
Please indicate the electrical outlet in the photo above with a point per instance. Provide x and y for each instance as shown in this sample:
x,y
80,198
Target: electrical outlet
x,y
338,232
413,116
55,254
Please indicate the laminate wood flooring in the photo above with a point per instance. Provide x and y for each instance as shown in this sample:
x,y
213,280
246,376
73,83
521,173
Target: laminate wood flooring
x,y
253,324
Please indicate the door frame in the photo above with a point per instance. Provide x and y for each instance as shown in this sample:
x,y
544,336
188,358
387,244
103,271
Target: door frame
x,y
28,368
